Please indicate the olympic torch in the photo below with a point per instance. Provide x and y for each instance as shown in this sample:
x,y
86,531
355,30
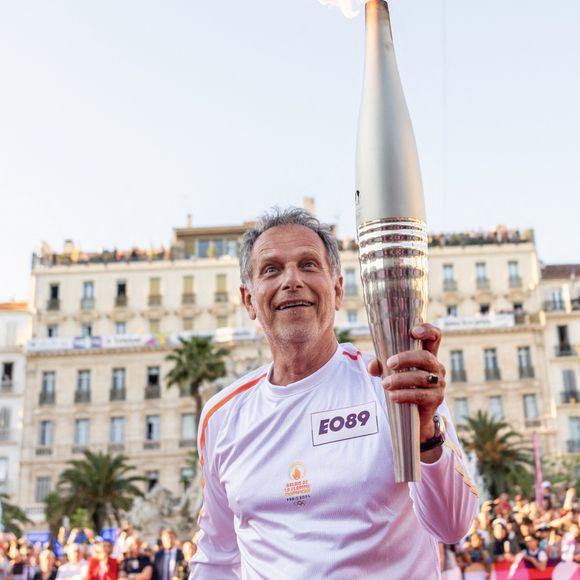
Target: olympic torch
x,y
391,227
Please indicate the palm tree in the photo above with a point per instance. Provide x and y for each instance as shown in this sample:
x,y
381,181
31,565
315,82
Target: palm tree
x,y
502,459
196,361
12,516
100,484
342,336
54,513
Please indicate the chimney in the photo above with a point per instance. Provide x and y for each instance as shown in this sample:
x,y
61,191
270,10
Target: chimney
x,y
309,205
189,221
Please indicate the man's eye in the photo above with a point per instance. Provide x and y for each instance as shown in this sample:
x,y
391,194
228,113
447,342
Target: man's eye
x,y
270,270
310,264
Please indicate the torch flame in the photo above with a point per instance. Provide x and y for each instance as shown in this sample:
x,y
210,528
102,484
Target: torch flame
x,y
348,7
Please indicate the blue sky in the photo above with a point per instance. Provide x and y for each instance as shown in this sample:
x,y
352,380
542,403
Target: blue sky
x,y
117,119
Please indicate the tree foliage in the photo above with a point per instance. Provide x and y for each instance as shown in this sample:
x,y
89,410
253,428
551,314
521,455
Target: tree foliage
x,y
342,336
503,460
195,361
12,516
100,484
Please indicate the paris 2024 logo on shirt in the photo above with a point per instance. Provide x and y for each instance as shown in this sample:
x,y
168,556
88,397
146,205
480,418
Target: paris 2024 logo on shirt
x,y
297,490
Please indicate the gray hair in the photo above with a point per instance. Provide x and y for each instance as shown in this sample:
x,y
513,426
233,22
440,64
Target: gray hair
x,y
292,216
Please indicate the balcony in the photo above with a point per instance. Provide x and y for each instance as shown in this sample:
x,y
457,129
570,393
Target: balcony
x,y
515,282
78,449
573,445
117,394
151,445
188,298
449,285
482,283
554,306
153,391
186,443
458,376
87,303
527,372
6,386
351,290
492,374
155,300
532,422
221,297
116,447
565,350
121,301
46,398
569,397
82,396
43,451
53,304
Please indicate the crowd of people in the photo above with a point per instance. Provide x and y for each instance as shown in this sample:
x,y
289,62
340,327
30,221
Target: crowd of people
x,y
517,539
84,556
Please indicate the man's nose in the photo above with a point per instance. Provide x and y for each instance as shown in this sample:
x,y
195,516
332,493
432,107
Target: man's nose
x,y
292,278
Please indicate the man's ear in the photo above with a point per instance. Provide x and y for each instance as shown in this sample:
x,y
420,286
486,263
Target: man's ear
x,y
247,302
338,292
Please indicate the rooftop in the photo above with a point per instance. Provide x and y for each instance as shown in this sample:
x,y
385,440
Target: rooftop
x,y
561,271
13,306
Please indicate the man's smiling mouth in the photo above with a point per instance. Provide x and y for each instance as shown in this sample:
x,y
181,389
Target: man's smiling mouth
x,y
294,304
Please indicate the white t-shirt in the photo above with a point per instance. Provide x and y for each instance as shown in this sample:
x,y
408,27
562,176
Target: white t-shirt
x,y
298,483
70,571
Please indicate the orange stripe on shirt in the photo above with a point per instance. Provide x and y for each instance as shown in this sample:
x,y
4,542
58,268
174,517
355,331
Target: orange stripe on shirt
x,y
352,356
225,400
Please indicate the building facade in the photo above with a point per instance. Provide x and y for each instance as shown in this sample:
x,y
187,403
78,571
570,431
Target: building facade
x,y
15,331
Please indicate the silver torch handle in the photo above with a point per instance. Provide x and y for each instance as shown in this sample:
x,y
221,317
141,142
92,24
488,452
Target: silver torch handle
x,y
391,227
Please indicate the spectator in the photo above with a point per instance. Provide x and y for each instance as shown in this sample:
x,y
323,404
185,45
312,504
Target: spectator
x,y
135,565
168,558
48,569
101,565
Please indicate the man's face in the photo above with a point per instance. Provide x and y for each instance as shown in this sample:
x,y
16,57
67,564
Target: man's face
x,y
167,540
293,293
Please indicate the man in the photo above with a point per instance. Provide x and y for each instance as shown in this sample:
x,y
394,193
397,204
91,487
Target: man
x,y
135,564
296,456
168,559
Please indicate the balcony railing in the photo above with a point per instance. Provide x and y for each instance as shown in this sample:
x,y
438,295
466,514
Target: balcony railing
x,y
573,445
515,282
150,445
532,422
78,449
117,394
565,350
351,290
221,297
493,374
570,397
116,447
155,300
87,303
527,372
53,304
6,386
458,376
153,391
188,298
82,396
46,398
482,283
121,301
187,443
449,285
43,450
554,306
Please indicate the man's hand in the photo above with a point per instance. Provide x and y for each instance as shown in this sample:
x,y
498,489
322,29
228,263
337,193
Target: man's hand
x,y
418,377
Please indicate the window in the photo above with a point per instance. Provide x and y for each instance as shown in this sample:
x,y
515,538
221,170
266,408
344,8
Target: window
x,y
118,382
188,427
121,289
513,269
221,321
152,428
188,323
490,357
3,470
481,271
53,292
46,434
524,357
52,330
117,430
153,376
88,290
84,381
120,327
202,248
188,297
461,410
574,423
530,407
350,285
7,371
155,326
452,310
152,478
569,380
484,309
48,382
495,407
352,316
221,290
5,420
42,489
448,272
458,373
86,330
155,291
82,431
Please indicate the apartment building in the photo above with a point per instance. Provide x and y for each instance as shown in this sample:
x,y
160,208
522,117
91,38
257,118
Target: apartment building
x,y
15,331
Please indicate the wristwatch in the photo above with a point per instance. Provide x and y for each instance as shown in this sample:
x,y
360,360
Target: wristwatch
x,y
437,439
